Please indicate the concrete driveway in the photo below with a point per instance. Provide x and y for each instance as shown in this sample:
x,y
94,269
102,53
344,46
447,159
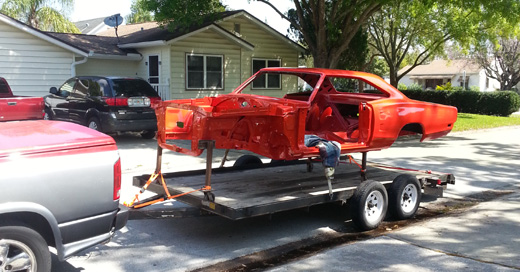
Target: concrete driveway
x,y
480,160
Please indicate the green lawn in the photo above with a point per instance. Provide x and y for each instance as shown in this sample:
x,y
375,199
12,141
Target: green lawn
x,y
467,121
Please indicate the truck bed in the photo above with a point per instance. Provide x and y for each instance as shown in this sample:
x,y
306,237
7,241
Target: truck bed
x,y
252,192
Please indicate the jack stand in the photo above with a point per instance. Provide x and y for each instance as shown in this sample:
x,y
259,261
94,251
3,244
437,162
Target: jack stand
x,y
208,145
363,171
329,174
224,159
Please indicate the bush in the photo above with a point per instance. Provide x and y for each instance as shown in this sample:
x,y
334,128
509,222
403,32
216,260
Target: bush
x,y
414,87
501,103
465,101
401,87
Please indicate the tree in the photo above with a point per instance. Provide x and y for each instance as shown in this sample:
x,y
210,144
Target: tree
x,y
183,13
39,14
500,61
328,26
139,14
419,30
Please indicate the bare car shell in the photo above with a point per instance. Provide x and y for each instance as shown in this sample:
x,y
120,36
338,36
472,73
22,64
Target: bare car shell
x,y
275,127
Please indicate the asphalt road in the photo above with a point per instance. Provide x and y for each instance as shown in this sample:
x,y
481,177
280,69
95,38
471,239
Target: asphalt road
x,y
480,160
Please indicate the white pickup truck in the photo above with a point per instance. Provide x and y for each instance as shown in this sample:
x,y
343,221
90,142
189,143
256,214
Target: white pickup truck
x,y
59,186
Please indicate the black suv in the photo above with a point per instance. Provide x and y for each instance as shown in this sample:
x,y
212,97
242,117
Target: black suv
x,y
107,104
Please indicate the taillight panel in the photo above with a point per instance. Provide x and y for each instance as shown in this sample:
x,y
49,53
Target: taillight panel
x,y
117,179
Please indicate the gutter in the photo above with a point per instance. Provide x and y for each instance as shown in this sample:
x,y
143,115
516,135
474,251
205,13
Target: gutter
x,y
74,63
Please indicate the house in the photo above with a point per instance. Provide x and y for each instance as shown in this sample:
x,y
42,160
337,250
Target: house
x,y
207,59
92,26
461,72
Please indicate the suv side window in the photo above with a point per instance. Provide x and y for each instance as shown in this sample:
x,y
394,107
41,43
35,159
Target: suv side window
x,y
104,88
67,87
81,88
94,88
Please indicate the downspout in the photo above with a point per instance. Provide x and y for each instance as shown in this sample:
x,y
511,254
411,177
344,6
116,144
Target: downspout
x,y
74,63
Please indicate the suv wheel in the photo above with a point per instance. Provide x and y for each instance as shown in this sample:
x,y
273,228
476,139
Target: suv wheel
x,y
149,134
23,249
93,123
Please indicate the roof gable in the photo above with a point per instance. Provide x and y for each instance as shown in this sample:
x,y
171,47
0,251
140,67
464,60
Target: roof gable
x,y
42,35
151,33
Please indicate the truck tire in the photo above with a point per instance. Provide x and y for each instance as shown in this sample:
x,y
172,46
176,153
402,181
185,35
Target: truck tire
x,y
404,196
369,204
93,123
27,245
247,161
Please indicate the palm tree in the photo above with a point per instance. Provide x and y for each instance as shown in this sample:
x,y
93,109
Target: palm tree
x,y
39,14
139,13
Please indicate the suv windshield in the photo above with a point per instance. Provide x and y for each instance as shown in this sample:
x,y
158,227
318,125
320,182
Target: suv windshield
x,y
128,87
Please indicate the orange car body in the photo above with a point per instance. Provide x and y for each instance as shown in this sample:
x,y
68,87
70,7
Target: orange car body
x,y
275,127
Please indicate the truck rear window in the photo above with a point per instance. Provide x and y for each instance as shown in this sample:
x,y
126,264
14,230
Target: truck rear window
x,y
132,87
4,88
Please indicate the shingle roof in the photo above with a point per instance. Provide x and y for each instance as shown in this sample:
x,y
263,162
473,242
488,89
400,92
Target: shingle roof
x,y
86,26
152,31
96,44
444,67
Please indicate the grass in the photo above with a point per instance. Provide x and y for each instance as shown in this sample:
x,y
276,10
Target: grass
x,y
467,121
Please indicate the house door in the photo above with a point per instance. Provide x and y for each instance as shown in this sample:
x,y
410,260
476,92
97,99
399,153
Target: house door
x,y
153,69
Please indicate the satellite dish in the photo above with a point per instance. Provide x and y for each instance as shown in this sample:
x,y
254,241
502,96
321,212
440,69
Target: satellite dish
x,y
114,20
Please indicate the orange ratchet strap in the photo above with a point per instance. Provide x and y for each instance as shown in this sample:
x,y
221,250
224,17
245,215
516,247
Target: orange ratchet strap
x,y
135,202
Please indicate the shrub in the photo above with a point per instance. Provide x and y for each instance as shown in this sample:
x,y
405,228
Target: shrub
x,y
501,103
414,87
401,87
465,101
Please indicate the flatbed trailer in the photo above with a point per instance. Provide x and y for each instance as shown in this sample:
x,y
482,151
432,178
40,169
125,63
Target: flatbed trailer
x,y
238,193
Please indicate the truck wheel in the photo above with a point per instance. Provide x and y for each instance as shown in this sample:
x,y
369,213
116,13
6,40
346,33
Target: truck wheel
x,y
404,196
247,161
149,134
23,249
368,205
93,123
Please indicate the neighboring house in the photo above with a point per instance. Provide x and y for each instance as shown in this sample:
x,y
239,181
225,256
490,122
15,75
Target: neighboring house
x,y
208,59
440,72
92,26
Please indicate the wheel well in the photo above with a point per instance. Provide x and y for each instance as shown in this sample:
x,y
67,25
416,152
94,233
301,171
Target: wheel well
x,y
31,220
413,128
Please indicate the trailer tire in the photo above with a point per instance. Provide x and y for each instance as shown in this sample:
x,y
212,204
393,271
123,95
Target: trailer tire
x,y
404,196
25,243
369,205
247,161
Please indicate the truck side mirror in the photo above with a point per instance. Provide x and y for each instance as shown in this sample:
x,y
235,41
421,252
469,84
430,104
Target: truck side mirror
x,y
53,90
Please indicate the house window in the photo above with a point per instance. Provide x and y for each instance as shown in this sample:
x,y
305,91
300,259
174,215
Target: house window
x,y
487,82
204,72
267,81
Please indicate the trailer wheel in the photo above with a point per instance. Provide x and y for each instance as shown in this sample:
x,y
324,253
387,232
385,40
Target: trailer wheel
x,y
404,196
369,205
247,161
23,249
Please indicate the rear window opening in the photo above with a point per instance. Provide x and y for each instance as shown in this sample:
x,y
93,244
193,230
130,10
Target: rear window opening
x,y
126,87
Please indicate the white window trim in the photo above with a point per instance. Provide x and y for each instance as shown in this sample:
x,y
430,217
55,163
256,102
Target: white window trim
x,y
205,72
266,82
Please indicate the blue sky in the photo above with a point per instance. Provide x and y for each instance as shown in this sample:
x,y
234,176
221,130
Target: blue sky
x,y
90,9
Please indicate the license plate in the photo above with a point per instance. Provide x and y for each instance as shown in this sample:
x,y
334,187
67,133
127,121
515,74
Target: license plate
x,y
139,102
